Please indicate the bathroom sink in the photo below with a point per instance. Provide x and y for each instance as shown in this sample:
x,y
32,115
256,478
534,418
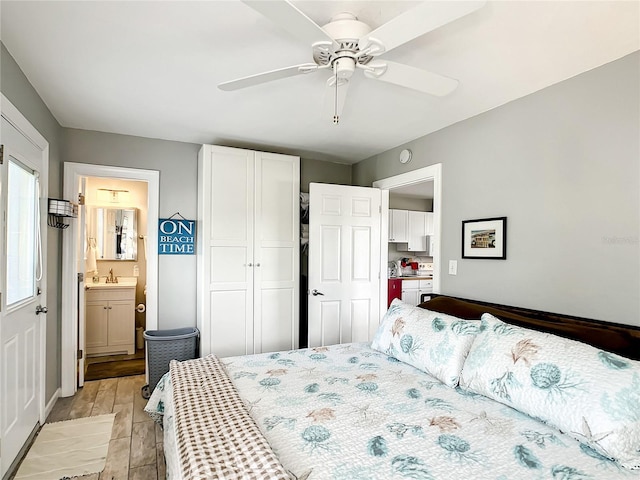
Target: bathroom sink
x,y
122,283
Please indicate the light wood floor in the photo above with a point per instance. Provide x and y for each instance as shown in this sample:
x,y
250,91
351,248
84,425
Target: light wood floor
x,y
135,451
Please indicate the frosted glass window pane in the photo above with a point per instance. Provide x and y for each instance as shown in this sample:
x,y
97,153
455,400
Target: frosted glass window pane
x,y
21,238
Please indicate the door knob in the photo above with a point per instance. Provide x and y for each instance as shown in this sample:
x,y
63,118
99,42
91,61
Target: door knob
x,y
315,293
40,309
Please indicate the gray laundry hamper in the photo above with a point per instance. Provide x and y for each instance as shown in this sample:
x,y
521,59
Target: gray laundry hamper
x,y
166,345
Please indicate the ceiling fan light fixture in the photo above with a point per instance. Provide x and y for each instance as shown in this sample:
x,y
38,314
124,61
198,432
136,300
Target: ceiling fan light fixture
x,y
346,43
344,67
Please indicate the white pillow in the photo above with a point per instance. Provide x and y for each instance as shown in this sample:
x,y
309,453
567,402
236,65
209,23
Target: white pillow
x,y
432,342
589,394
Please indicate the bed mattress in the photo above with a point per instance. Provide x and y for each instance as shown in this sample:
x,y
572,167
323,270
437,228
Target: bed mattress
x,y
347,412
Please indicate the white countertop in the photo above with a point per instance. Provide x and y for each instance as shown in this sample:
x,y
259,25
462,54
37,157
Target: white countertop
x,y
413,277
123,282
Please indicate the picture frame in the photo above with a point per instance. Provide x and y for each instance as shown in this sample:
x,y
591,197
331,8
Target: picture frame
x,y
485,238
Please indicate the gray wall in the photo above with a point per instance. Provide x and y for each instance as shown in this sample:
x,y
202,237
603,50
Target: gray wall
x,y
178,166
401,202
18,90
563,165
323,172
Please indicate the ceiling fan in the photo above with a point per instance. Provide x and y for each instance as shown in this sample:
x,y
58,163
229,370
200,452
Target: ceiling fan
x,y
346,44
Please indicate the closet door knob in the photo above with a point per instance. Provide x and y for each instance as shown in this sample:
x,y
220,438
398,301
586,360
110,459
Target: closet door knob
x,y
257,264
249,264
315,293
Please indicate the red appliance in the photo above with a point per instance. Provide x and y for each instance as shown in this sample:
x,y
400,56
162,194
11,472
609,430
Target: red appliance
x,y
394,289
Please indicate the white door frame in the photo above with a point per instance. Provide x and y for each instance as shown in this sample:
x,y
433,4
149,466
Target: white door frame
x,y
72,174
431,173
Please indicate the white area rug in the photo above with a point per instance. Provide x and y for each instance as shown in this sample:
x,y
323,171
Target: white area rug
x,y
68,449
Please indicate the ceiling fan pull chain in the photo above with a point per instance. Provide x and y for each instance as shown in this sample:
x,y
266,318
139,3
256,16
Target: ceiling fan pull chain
x,y
336,118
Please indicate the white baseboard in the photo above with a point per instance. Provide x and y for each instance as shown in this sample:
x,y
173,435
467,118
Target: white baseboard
x,y
51,403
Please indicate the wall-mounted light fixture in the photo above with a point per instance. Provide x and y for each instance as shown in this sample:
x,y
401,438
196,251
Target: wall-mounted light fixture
x,y
112,195
405,156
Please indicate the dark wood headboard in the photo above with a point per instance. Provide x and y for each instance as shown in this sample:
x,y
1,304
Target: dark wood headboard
x,y
612,337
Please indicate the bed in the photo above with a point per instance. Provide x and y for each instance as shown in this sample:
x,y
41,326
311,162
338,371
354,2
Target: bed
x,y
454,389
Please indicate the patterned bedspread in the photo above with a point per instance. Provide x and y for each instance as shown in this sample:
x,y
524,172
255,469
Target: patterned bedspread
x,y
205,400
347,412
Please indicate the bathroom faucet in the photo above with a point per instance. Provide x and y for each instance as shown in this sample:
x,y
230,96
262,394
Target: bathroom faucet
x,y
111,278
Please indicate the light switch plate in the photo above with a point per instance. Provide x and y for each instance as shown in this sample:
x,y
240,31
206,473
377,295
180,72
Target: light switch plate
x,y
453,267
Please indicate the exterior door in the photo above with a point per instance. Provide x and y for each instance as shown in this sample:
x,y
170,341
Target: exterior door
x,y
344,263
22,320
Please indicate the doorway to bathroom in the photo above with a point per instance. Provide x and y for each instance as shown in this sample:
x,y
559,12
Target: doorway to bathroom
x,y
114,234
110,265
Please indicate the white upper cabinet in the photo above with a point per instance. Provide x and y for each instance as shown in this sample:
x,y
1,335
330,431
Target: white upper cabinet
x,y
417,229
430,223
417,241
398,224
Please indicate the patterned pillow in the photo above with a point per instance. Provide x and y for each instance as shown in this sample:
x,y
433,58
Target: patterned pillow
x,y
592,395
432,342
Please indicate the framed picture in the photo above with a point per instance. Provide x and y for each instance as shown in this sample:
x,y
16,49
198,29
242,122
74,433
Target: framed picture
x,y
485,238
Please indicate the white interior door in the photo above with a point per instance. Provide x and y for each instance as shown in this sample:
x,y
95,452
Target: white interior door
x,y
344,263
22,322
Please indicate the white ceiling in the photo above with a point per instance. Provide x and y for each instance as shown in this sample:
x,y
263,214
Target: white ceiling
x,y
151,68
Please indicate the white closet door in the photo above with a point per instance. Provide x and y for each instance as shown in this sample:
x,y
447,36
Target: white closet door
x,y
227,183
276,234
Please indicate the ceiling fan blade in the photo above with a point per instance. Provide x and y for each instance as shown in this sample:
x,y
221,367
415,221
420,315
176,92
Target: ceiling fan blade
x,y
413,78
417,21
287,16
265,77
334,100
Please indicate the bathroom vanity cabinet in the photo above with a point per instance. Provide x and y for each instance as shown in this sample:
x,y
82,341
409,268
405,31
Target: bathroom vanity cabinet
x,y
110,319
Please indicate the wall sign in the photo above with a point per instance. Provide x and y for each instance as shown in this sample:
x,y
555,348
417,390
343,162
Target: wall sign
x,y
176,236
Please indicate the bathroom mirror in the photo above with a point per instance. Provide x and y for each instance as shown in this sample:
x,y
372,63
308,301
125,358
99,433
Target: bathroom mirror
x,y
114,231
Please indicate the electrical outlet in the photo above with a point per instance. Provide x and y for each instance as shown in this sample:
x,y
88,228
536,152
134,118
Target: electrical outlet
x,y
453,267
136,270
